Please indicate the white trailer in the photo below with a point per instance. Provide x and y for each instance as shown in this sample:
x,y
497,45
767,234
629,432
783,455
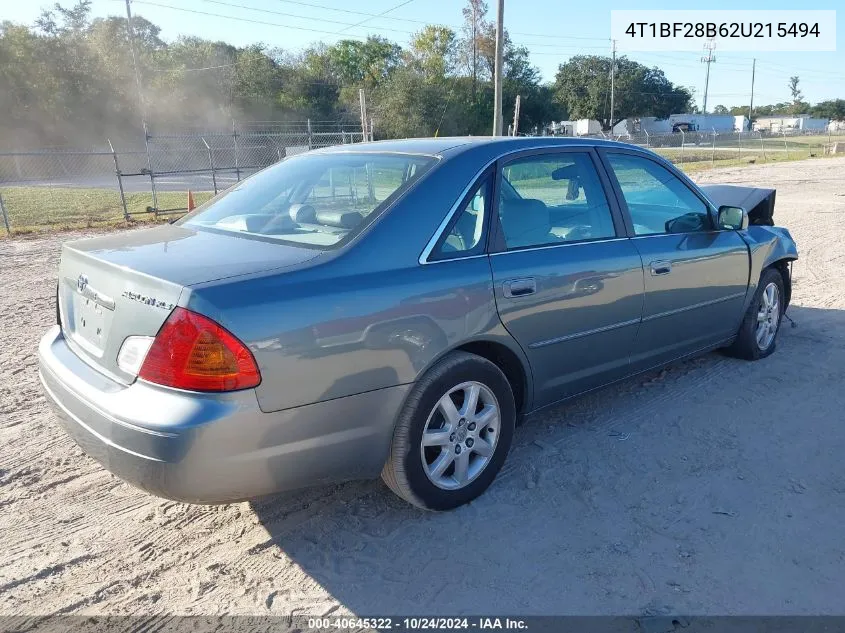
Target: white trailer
x,y
703,122
585,127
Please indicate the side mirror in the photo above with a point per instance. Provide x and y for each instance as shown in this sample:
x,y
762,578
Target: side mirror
x,y
687,223
733,218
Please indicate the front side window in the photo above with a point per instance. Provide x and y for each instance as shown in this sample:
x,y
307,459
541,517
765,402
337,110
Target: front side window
x,y
317,200
553,199
658,201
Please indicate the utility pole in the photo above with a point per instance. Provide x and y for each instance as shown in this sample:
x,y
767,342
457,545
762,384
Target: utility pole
x,y
516,116
710,46
612,82
500,43
474,53
751,103
131,32
363,100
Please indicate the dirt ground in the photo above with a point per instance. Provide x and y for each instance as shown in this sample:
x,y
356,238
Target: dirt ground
x,y
715,486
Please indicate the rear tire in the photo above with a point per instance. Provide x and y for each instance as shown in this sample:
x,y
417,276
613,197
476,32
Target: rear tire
x,y
757,337
464,407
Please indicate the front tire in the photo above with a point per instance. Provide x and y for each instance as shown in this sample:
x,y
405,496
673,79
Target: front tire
x,y
453,434
757,337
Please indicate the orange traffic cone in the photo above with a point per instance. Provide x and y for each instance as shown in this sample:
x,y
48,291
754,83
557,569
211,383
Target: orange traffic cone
x,y
191,205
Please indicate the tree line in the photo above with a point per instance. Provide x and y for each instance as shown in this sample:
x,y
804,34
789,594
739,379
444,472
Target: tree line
x,y
833,109
69,79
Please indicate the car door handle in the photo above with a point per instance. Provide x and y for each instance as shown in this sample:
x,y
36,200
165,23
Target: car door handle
x,y
661,267
520,287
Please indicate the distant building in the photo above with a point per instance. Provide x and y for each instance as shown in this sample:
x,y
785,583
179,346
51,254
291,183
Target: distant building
x,y
680,123
702,122
799,122
741,124
581,127
642,125
562,128
836,126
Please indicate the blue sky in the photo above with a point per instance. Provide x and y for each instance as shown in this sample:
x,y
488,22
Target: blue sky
x,y
552,30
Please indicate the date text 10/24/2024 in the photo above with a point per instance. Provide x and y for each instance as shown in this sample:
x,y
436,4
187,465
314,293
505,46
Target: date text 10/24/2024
x,y
417,623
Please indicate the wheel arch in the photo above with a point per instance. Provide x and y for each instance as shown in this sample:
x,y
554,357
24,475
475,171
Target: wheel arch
x,y
512,365
784,267
503,352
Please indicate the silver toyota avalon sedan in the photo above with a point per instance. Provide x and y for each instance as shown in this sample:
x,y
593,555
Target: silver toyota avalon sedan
x,y
394,308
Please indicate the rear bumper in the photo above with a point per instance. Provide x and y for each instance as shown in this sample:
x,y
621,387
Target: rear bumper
x,y
214,448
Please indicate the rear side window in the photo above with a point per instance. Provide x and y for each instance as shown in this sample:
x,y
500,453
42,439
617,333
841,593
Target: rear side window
x,y
658,201
466,232
313,200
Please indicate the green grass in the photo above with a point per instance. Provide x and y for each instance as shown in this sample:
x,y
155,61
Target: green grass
x,y
36,209
747,159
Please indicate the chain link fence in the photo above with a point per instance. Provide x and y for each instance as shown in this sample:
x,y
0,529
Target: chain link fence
x,y
736,148
60,188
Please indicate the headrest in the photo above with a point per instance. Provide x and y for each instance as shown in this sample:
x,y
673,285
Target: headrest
x,y
302,213
340,219
519,216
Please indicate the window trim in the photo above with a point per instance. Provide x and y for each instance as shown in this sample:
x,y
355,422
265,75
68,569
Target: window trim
x,y
435,238
484,181
497,240
603,153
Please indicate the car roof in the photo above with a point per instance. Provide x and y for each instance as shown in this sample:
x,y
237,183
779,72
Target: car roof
x,y
437,146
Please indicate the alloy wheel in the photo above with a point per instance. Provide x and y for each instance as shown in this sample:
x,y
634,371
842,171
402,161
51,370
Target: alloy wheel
x,y
768,316
460,435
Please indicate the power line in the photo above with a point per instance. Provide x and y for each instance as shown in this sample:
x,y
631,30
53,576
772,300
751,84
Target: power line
x,y
427,23
398,6
300,17
231,17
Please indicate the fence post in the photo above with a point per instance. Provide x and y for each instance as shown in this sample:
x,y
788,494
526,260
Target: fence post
x,y
763,148
235,148
310,136
371,194
119,181
211,164
785,145
278,149
683,137
372,138
739,155
5,215
647,140
713,155
150,169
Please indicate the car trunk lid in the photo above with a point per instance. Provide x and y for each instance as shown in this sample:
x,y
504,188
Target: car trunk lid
x,y
127,284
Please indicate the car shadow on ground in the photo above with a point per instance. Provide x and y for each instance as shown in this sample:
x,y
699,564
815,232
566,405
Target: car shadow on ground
x,y
692,489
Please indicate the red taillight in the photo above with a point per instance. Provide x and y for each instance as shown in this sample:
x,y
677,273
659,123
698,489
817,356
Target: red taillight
x,y
192,352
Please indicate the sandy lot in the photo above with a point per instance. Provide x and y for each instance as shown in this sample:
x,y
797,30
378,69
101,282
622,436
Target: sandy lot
x,y
713,487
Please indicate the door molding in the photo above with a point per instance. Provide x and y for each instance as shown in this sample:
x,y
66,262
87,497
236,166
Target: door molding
x,y
694,306
598,330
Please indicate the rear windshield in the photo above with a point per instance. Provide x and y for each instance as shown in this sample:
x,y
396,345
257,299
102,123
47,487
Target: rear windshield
x,y
316,200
